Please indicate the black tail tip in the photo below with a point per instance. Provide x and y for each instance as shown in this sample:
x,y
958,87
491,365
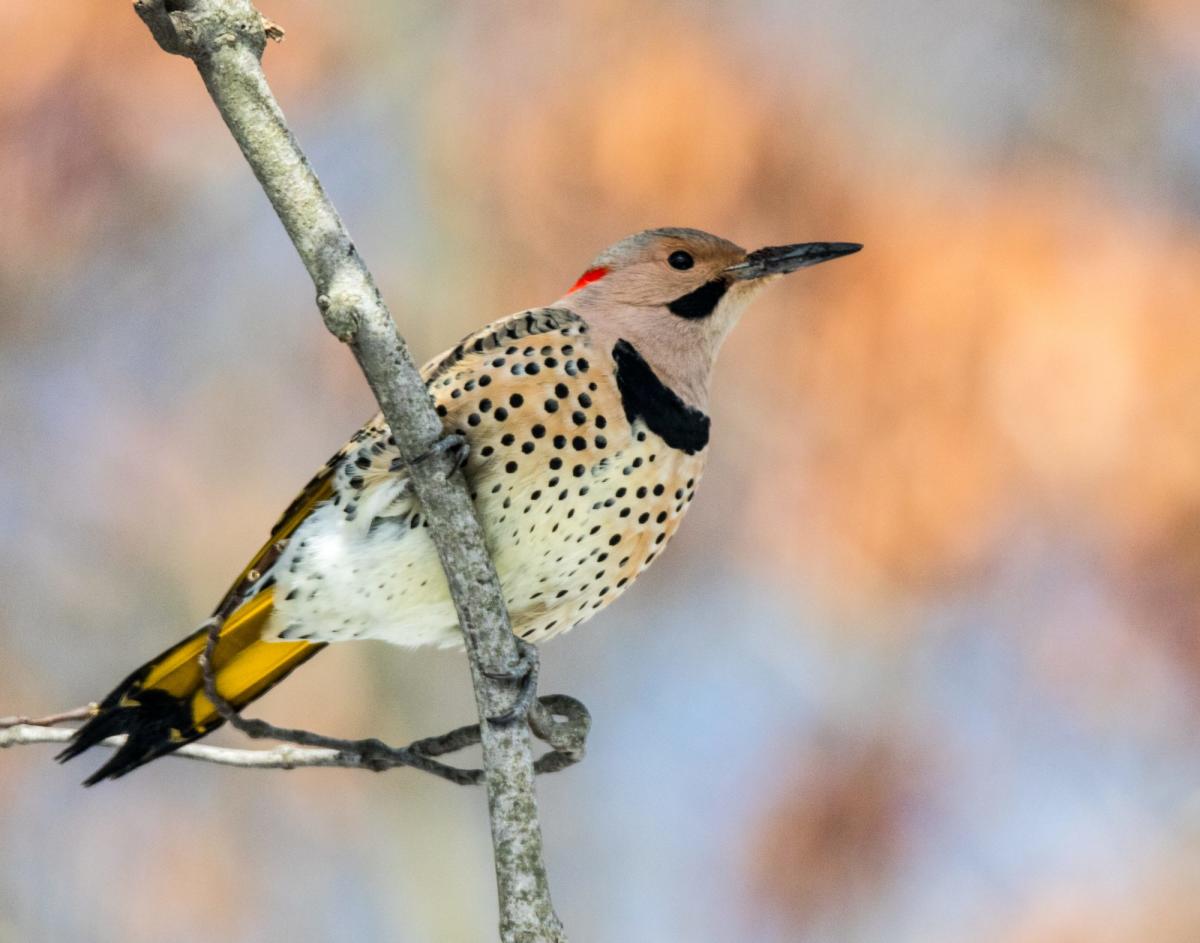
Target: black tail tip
x,y
117,766
147,727
107,723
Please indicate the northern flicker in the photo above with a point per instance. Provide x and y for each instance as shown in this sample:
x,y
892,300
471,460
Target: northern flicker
x,y
587,429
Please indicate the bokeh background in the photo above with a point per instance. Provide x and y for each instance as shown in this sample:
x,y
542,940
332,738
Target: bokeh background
x,y
923,663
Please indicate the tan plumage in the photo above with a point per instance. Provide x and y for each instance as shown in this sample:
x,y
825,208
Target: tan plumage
x,y
587,437
576,499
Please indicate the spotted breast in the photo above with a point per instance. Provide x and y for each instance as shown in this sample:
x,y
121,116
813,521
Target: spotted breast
x,y
581,464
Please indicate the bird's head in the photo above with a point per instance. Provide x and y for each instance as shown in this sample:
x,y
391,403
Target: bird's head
x,y
674,294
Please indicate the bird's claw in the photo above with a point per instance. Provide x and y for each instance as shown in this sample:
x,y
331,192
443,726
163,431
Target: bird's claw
x,y
526,675
451,445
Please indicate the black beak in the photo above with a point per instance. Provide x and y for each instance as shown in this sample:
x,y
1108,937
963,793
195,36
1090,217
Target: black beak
x,y
779,260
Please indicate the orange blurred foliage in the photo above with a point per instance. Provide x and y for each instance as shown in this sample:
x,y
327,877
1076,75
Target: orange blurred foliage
x,y
78,162
1010,345
1017,349
831,843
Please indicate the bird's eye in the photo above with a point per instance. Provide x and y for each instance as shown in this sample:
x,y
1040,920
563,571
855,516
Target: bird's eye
x,y
680,260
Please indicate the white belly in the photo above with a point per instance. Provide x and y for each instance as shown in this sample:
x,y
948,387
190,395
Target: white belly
x,y
563,551
338,582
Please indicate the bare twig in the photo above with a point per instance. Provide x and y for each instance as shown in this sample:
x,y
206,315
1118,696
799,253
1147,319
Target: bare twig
x,y
51,720
225,39
281,757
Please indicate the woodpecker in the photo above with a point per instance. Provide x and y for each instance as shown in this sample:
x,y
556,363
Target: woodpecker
x,y
587,431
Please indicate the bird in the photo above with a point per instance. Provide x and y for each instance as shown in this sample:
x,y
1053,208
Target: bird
x,y
586,429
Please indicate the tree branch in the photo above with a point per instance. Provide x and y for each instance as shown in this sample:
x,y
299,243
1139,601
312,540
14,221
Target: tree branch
x,y
559,720
281,757
51,720
225,39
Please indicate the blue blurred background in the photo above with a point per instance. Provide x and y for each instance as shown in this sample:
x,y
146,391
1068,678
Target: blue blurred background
x,y
921,666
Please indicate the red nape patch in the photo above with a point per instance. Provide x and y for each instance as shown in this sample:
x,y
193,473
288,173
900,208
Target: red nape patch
x,y
591,275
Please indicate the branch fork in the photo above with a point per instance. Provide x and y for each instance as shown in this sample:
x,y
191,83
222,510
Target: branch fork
x,y
193,29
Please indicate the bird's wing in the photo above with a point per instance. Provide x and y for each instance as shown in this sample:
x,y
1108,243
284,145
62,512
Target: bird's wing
x,y
367,478
370,459
319,489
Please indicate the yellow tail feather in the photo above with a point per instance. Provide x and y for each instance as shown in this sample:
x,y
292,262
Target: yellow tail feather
x,y
244,665
162,705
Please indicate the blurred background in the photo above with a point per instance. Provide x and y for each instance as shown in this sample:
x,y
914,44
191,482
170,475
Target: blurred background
x,y
923,663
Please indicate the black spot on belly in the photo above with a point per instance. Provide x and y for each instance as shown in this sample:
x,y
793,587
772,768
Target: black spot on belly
x,y
646,397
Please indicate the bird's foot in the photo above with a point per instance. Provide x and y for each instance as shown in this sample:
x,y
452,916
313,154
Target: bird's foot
x,y
524,674
452,450
563,722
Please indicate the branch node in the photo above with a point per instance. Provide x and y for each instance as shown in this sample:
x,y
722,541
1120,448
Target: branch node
x,y
342,316
196,31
